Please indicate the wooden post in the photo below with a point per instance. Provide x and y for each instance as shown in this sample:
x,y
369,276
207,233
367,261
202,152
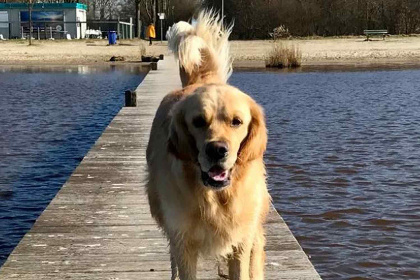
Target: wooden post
x,y
130,98
153,65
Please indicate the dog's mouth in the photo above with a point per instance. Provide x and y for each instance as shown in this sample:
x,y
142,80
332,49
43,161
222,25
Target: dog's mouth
x,y
216,177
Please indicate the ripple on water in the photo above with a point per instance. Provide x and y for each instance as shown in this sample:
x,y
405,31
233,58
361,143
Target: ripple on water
x,y
49,121
344,168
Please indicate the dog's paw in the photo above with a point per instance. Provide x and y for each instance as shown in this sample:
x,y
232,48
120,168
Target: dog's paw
x,y
221,273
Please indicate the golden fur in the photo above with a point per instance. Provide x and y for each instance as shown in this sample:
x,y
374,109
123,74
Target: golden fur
x,y
196,218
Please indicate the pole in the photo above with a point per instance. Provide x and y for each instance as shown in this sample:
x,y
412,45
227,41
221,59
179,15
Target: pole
x,y
161,30
139,24
30,22
155,11
223,10
131,28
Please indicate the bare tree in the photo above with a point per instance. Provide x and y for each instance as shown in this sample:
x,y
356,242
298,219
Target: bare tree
x,y
257,18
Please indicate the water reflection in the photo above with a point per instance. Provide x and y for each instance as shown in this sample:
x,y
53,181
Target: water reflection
x,y
134,69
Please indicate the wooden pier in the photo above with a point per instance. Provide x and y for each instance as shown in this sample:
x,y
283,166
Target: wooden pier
x,y
99,225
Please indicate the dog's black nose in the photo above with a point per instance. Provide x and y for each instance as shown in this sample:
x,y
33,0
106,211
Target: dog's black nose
x,y
217,150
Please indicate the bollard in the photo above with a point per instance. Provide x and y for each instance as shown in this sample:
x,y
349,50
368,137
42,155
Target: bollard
x,y
161,57
154,65
130,98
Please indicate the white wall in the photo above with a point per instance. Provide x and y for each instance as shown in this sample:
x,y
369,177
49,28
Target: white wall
x,y
81,16
4,26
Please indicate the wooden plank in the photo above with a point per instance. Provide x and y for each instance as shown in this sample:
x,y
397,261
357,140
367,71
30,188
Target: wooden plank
x,y
99,225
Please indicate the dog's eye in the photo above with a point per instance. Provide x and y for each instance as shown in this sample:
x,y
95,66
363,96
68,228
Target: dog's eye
x,y
236,122
199,122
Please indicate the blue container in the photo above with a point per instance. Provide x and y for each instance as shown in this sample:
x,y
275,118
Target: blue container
x,y
112,37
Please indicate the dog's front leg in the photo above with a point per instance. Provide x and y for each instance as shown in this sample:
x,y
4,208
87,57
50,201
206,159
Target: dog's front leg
x,y
239,263
258,256
185,258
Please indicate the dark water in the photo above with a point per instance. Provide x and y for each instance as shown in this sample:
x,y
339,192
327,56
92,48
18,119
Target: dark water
x,y
344,166
49,119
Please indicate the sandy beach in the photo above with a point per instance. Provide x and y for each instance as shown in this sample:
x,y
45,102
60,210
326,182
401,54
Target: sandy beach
x,y
319,51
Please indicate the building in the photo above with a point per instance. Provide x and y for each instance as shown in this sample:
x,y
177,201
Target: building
x,y
49,20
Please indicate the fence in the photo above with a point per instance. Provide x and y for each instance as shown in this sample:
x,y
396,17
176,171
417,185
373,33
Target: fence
x,y
59,29
125,30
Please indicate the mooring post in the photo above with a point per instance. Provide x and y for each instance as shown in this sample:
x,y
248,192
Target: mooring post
x,y
154,65
130,98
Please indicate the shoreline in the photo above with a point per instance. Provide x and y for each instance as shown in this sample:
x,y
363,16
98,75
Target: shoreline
x,y
334,65
322,53
259,65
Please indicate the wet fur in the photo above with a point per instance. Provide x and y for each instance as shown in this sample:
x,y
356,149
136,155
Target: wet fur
x,y
198,220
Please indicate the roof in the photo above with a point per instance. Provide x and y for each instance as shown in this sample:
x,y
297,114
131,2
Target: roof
x,y
40,6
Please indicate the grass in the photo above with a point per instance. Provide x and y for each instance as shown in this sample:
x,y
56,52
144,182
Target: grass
x,y
284,56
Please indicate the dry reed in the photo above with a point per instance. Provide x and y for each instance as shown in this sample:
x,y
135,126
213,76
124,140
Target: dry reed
x,y
284,56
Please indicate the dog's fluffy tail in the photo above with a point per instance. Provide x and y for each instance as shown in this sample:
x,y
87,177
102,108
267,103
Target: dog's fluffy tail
x,y
202,47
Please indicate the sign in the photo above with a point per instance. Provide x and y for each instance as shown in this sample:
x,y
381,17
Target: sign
x,y
42,16
161,15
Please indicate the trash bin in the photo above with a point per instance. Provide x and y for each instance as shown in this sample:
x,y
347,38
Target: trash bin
x,y
112,37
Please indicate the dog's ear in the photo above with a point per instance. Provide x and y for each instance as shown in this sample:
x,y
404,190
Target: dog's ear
x,y
181,143
255,143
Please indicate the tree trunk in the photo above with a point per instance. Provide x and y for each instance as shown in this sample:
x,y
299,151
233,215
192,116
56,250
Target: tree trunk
x,y
138,24
30,22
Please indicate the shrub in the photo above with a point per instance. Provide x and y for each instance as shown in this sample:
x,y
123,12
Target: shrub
x,y
281,32
284,55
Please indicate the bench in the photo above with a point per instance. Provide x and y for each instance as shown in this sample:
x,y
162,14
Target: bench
x,y
382,32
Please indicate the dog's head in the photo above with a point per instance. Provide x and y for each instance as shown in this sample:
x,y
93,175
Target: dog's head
x,y
218,127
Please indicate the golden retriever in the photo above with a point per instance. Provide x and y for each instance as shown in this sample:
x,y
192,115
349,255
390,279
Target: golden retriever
x,y
206,184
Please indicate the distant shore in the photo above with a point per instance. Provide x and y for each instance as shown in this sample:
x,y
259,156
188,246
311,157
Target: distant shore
x,y
322,52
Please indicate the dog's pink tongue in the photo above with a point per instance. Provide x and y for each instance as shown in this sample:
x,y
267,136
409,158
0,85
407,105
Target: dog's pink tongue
x,y
218,174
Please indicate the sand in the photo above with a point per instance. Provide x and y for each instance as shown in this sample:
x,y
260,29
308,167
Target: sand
x,y
321,51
